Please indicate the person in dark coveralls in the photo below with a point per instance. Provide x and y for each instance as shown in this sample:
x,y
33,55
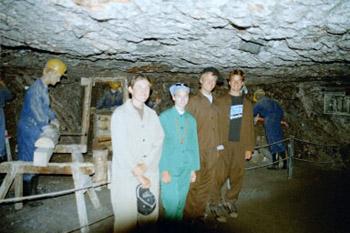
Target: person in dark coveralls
x,y
204,108
36,113
271,113
5,95
237,133
111,98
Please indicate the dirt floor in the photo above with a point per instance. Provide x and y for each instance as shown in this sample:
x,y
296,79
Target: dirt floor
x,y
316,200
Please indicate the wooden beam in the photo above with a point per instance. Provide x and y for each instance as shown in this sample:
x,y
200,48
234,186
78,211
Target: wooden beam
x,y
85,123
7,182
100,158
19,190
80,199
69,148
52,168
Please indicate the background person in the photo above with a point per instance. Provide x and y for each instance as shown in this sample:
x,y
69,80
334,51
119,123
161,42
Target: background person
x,y
113,97
5,95
36,113
271,113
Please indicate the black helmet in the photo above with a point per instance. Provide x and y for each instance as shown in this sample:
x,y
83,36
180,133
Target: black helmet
x,y
146,201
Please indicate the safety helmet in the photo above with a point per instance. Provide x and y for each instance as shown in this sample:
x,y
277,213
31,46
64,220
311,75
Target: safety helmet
x,y
114,85
146,201
258,94
56,65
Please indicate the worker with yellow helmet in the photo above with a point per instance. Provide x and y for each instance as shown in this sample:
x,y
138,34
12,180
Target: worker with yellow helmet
x,y
36,113
111,98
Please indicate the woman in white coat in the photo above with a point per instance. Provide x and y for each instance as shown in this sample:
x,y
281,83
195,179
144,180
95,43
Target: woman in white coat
x,y
137,139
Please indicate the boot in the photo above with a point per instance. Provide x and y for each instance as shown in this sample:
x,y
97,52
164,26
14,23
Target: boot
x,y
34,191
283,156
273,166
35,182
218,212
231,209
27,188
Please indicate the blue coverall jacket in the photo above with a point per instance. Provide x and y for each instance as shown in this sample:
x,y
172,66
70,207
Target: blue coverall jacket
x,y
180,156
110,99
5,95
35,114
272,113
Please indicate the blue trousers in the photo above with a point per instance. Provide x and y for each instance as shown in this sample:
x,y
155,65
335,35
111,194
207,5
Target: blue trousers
x,y
174,194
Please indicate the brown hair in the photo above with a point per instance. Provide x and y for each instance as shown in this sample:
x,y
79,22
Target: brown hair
x,y
236,72
212,70
138,77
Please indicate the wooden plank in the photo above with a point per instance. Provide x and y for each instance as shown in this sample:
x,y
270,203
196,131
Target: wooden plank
x,y
119,77
85,81
92,194
85,180
68,148
7,182
80,200
19,190
101,166
85,124
52,168
8,148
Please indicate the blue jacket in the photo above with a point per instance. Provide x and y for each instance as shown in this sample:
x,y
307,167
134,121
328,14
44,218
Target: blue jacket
x,y
5,95
36,113
272,113
110,99
178,157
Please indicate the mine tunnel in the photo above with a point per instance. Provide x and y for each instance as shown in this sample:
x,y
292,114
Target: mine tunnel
x,y
294,53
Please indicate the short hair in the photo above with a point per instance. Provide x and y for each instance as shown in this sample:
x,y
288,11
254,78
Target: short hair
x,y
212,70
236,72
138,77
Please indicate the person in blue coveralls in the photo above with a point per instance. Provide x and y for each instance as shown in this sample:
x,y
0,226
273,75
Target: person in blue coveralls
x,y
271,113
5,95
180,155
37,113
111,98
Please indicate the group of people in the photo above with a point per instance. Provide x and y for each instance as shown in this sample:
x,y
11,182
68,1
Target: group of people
x,y
183,157
187,153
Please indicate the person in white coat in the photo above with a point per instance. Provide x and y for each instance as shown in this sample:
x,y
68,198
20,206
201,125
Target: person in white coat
x,y
137,139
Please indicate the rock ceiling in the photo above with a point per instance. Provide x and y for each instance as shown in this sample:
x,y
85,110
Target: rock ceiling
x,y
302,38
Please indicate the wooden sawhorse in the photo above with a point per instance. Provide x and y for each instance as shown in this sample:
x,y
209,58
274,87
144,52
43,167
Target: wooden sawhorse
x,y
79,169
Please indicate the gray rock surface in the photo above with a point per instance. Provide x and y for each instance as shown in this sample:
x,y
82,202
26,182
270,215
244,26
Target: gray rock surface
x,y
264,37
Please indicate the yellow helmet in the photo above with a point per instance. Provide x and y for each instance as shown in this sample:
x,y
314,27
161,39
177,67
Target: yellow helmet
x,y
56,65
114,85
258,94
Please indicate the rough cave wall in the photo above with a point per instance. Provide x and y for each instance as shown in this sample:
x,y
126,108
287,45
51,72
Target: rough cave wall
x,y
268,37
301,100
303,103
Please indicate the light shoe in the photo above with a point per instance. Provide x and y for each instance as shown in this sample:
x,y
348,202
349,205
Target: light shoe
x,y
231,209
218,212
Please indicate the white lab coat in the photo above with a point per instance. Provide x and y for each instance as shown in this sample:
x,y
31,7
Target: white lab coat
x,y
134,140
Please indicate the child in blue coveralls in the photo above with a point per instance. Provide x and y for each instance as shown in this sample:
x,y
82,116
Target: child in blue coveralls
x,y
180,155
